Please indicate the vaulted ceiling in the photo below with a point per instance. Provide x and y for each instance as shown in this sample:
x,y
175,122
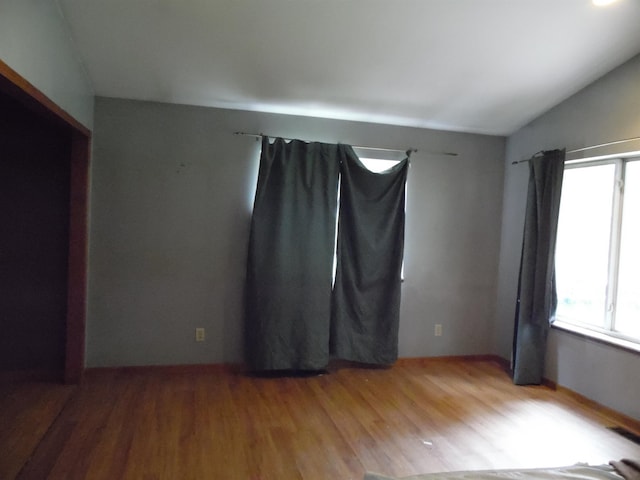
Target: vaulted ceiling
x,y
486,66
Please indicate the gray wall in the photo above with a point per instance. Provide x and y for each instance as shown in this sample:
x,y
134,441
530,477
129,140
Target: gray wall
x,y
172,191
35,42
607,110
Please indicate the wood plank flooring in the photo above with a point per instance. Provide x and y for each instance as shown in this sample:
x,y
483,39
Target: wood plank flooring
x,y
27,410
412,418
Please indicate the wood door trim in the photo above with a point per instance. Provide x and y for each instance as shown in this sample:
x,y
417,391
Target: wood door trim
x,y
78,258
12,83
19,88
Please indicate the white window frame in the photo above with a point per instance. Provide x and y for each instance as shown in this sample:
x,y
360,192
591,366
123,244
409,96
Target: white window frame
x,y
607,333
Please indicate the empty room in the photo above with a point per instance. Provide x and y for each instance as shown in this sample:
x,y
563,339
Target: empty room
x,y
319,239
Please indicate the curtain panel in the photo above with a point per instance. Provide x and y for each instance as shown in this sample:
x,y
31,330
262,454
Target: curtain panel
x,y
537,299
366,297
295,319
290,259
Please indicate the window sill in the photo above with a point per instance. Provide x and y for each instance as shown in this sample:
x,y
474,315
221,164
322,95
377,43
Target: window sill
x,y
597,336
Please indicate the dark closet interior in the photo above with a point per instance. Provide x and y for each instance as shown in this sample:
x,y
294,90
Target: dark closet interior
x,y
34,239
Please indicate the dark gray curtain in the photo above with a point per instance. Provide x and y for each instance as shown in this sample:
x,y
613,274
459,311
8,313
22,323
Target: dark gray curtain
x,y
289,269
537,300
366,296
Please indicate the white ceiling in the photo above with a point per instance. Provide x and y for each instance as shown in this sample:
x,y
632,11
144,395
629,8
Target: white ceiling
x,y
486,66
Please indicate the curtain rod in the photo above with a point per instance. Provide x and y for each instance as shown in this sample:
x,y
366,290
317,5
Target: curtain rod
x,y
379,149
577,150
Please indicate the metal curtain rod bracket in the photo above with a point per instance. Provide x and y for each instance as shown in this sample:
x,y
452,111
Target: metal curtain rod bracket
x,y
583,149
408,152
535,155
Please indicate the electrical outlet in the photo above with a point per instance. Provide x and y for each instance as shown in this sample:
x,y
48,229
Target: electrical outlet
x,y
200,334
438,330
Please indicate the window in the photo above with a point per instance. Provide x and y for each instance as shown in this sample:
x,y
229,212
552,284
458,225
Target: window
x,y
598,247
376,165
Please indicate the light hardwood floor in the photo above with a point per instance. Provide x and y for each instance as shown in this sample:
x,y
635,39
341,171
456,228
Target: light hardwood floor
x,y
413,418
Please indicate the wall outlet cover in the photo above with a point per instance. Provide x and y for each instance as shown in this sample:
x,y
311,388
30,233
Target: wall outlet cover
x,y
199,334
